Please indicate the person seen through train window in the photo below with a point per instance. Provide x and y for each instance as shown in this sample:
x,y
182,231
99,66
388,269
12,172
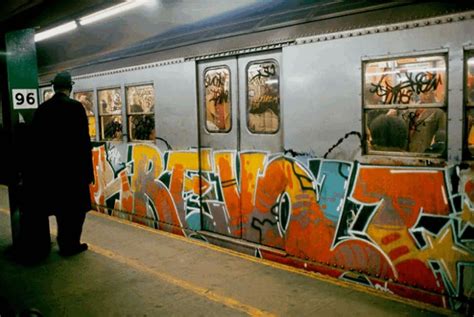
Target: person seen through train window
x,y
438,145
423,123
87,104
388,133
63,165
136,105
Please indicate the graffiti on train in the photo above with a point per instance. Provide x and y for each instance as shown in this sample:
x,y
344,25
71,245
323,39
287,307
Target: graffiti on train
x,y
408,226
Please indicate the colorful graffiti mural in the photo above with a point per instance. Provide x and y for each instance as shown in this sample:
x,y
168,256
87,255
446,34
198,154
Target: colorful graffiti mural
x,y
407,231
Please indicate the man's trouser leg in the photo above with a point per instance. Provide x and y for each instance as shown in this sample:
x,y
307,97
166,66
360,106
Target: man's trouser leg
x,y
70,229
35,239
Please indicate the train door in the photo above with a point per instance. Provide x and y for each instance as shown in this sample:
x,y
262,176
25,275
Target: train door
x,y
219,144
260,135
239,100
259,91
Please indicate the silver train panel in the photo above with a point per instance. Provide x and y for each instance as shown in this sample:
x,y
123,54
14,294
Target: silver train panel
x,y
322,85
174,107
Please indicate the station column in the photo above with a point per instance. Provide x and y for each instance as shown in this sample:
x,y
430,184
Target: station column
x,y
19,103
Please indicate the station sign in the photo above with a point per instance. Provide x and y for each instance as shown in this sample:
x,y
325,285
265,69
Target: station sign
x,y
24,99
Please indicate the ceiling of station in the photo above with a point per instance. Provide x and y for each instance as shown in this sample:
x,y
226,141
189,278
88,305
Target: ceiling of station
x,y
121,31
17,14
162,23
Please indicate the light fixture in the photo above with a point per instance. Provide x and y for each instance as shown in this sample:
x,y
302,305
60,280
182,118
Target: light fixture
x,y
63,28
100,15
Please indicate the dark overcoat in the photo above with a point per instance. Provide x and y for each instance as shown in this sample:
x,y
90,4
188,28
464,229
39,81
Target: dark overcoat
x,y
61,157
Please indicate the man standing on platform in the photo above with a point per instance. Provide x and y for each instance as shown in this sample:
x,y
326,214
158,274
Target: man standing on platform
x,y
63,164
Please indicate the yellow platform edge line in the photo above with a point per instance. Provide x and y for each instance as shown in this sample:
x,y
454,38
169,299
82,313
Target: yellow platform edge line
x,y
313,275
200,291
227,301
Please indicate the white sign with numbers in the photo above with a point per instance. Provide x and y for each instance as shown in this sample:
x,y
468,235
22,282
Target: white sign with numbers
x,y
25,98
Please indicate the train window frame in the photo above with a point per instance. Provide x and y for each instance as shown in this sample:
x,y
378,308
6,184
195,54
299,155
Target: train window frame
x,y
44,90
443,106
129,115
101,115
94,109
231,110
247,112
468,105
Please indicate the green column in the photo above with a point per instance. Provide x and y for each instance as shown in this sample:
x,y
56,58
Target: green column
x,y
22,73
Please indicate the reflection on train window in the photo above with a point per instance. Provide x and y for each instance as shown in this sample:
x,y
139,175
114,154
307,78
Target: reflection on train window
x,y
405,106
469,91
263,97
110,113
85,97
218,103
140,112
47,94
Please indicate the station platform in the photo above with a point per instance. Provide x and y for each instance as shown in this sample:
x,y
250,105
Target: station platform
x,y
130,270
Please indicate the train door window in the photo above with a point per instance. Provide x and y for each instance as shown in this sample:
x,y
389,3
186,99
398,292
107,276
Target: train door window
x,y
469,103
85,98
263,97
110,113
47,94
217,99
140,112
404,105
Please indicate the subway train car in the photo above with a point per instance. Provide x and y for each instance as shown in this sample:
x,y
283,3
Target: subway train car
x,y
334,146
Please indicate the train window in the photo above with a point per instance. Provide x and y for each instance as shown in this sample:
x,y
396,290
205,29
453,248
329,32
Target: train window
x,y
405,106
140,112
218,103
110,113
469,91
47,94
85,97
263,97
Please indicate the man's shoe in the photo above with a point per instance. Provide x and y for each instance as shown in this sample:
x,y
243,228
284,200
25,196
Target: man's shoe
x,y
73,250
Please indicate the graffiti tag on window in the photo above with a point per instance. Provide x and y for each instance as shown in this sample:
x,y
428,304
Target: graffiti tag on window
x,y
419,83
264,71
263,99
406,81
414,127
217,100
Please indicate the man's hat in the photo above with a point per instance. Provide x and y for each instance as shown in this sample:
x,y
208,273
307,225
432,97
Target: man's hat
x,y
63,79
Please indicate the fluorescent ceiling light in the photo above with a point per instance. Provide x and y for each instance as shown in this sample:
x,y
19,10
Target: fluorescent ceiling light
x,y
100,15
63,28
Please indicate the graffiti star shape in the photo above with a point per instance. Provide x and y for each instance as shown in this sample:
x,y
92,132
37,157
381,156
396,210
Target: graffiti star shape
x,y
442,249
466,222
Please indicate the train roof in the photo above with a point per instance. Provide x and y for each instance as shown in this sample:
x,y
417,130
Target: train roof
x,y
266,24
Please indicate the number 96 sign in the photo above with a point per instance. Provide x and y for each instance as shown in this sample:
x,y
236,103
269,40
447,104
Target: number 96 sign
x,y
25,99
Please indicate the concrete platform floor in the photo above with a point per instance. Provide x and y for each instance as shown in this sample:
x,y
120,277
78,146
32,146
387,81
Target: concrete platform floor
x,y
135,271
